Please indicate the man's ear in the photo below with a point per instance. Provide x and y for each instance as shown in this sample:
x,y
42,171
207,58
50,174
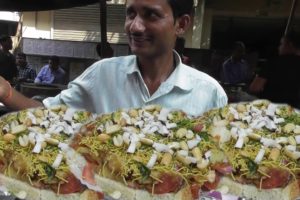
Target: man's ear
x,y
182,24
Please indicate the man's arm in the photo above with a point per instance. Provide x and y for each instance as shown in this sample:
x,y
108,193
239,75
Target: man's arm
x,y
32,74
257,85
39,77
14,100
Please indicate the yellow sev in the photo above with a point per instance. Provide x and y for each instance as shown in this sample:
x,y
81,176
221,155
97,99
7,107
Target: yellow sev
x,y
22,163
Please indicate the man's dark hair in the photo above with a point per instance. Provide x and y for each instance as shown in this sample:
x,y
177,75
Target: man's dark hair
x,y
238,44
294,38
54,59
181,7
179,45
4,38
21,55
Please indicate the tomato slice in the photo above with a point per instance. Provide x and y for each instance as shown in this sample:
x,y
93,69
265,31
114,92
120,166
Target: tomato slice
x,y
195,190
168,183
100,196
2,166
207,186
278,178
72,185
88,173
223,168
198,127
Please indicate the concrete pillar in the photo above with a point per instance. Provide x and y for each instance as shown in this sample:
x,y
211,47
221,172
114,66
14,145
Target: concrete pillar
x,y
202,24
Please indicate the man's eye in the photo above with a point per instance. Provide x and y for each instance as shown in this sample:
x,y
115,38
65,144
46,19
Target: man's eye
x,y
130,14
152,15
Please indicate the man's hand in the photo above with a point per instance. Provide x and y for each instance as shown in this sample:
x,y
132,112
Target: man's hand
x,y
4,88
257,85
14,100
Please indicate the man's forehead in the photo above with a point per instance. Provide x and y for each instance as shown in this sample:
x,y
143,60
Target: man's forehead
x,y
147,2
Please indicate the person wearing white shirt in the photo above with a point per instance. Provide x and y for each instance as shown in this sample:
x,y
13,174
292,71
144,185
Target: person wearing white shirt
x,y
153,75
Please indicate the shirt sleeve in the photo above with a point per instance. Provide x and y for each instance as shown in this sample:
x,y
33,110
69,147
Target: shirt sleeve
x,y
265,69
32,74
38,78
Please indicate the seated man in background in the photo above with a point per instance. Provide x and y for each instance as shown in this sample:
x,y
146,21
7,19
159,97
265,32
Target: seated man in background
x,y
51,73
235,69
278,81
25,72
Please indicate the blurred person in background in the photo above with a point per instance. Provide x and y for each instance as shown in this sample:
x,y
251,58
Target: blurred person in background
x,y
25,72
51,73
235,69
179,47
278,80
8,68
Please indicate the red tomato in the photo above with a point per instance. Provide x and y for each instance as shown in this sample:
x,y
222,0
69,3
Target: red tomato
x,y
2,166
195,190
198,127
72,186
207,186
169,183
100,196
278,178
88,173
222,168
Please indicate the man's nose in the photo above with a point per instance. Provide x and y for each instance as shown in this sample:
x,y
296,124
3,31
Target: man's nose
x,y
137,25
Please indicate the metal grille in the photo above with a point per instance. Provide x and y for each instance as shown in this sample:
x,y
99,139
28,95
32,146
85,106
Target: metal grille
x,y
83,24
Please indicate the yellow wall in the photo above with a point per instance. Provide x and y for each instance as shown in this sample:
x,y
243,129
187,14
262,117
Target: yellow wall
x,y
37,24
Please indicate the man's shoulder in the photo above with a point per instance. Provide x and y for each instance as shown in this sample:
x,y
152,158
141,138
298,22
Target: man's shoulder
x,y
61,70
120,59
30,68
115,62
196,75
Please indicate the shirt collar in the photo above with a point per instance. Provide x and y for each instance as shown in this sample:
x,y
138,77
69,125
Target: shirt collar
x,y
176,79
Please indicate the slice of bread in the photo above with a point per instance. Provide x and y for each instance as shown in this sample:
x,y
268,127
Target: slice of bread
x,y
290,192
110,186
29,192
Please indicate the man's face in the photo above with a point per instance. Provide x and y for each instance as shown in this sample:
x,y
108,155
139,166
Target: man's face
x,y
53,65
7,45
150,27
21,61
285,47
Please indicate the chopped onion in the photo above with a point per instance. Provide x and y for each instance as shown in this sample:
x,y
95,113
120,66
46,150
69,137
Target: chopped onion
x,y
38,146
240,142
152,161
183,153
132,147
193,143
278,120
291,148
57,161
161,147
171,125
259,156
163,114
207,154
69,114
267,142
297,138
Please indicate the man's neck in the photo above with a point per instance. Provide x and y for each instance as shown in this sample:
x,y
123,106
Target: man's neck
x,y
155,71
5,50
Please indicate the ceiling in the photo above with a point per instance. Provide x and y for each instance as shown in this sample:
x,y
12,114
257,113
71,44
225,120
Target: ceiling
x,y
39,5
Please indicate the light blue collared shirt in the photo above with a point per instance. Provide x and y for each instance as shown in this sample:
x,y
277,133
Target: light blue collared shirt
x,y
115,83
49,76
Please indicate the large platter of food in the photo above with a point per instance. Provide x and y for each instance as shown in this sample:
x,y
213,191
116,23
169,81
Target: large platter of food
x,y
248,150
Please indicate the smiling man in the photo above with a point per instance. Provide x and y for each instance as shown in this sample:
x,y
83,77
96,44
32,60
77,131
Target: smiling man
x,y
153,75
